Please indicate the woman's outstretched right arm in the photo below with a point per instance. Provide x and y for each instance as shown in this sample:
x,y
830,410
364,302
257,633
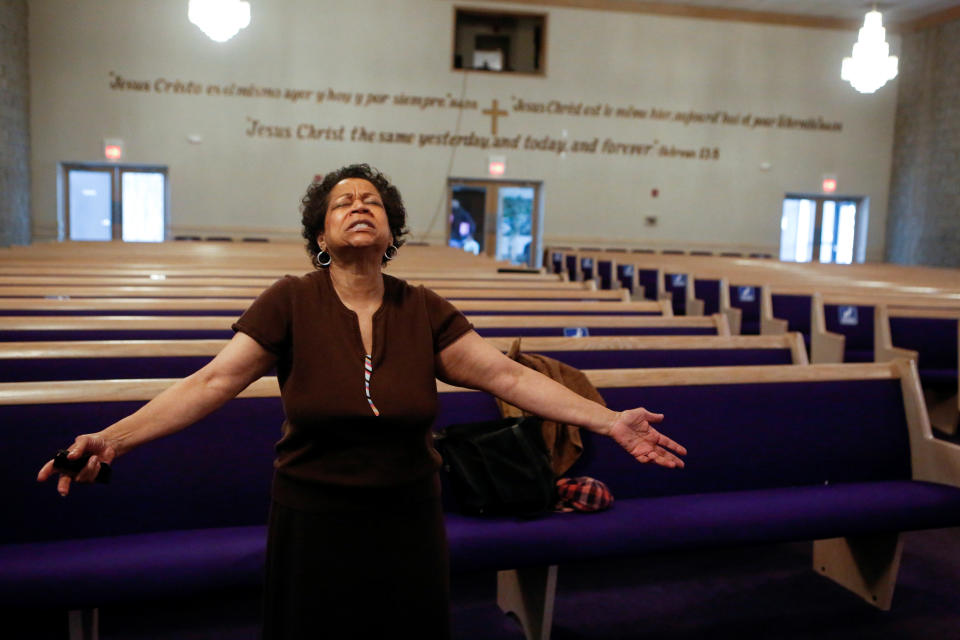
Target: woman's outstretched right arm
x,y
241,362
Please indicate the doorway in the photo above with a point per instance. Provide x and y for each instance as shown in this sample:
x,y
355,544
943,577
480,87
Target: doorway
x,y
828,229
500,219
114,202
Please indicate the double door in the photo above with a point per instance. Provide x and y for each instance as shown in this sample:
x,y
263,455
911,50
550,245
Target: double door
x,y
500,219
115,202
821,228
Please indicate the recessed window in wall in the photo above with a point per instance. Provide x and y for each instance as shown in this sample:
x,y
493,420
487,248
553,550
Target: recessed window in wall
x,y
499,42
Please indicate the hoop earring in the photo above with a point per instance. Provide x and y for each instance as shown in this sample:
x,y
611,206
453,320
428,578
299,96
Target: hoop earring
x,y
391,253
323,259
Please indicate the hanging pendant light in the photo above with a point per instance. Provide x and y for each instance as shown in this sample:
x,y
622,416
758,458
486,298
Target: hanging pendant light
x,y
871,65
219,19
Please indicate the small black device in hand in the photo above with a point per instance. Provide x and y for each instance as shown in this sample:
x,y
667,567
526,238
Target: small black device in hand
x,y
74,465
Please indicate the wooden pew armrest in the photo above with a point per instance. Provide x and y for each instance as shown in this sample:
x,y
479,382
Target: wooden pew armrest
x,y
937,461
772,326
932,459
885,354
695,307
826,347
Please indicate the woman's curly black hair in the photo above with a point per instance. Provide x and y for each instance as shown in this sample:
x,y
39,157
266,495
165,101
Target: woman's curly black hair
x,y
313,207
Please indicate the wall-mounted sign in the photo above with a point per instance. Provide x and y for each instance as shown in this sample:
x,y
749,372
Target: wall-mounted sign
x,y
848,316
113,149
829,183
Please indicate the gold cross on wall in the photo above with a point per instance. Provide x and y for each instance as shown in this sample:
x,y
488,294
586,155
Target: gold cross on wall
x,y
494,112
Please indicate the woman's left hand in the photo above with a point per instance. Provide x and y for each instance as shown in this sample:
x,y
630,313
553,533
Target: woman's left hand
x,y
634,432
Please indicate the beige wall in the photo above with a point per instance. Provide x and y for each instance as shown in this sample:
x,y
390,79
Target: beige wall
x,y
233,181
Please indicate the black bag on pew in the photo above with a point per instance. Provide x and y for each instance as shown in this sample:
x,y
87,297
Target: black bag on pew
x,y
498,467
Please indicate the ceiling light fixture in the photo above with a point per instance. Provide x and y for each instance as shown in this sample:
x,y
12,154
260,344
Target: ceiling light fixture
x,y
871,65
219,19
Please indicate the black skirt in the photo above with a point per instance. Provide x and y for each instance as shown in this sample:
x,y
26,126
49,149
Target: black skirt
x,y
373,563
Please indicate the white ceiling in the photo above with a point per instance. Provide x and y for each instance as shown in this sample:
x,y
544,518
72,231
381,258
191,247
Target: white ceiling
x,y
894,11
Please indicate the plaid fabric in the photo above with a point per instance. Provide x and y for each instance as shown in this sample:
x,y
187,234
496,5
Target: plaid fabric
x,y
582,494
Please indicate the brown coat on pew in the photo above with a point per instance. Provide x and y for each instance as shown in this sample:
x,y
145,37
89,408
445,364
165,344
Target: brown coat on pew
x,y
563,440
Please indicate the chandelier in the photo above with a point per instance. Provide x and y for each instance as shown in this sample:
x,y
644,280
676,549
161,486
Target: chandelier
x,y
219,19
871,65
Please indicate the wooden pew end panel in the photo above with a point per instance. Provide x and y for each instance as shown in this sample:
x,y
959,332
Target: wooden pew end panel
x,y
867,566
528,595
734,319
826,347
695,307
772,326
83,624
944,412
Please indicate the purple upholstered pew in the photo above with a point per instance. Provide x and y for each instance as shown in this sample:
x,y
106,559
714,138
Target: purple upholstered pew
x,y
581,326
626,275
747,299
795,309
855,323
99,368
668,358
106,310
587,329
849,475
588,267
182,515
605,274
649,279
845,482
33,335
935,341
556,262
186,514
570,262
676,285
709,291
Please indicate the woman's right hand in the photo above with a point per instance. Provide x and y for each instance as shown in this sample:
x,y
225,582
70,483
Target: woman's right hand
x,y
96,446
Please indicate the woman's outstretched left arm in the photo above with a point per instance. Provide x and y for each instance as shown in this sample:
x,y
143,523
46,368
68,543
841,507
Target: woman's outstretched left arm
x,y
473,362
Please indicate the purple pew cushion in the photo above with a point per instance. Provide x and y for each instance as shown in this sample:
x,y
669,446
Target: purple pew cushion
x,y
590,312
702,520
795,309
857,330
647,278
625,273
656,358
709,292
822,460
217,473
750,310
943,379
934,340
791,434
490,332
40,369
605,273
106,311
33,335
93,571
679,293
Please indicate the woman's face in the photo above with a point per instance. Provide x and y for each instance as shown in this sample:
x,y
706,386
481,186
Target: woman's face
x,y
356,218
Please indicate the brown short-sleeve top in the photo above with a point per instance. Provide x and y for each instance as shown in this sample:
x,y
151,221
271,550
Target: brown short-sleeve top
x,y
332,434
